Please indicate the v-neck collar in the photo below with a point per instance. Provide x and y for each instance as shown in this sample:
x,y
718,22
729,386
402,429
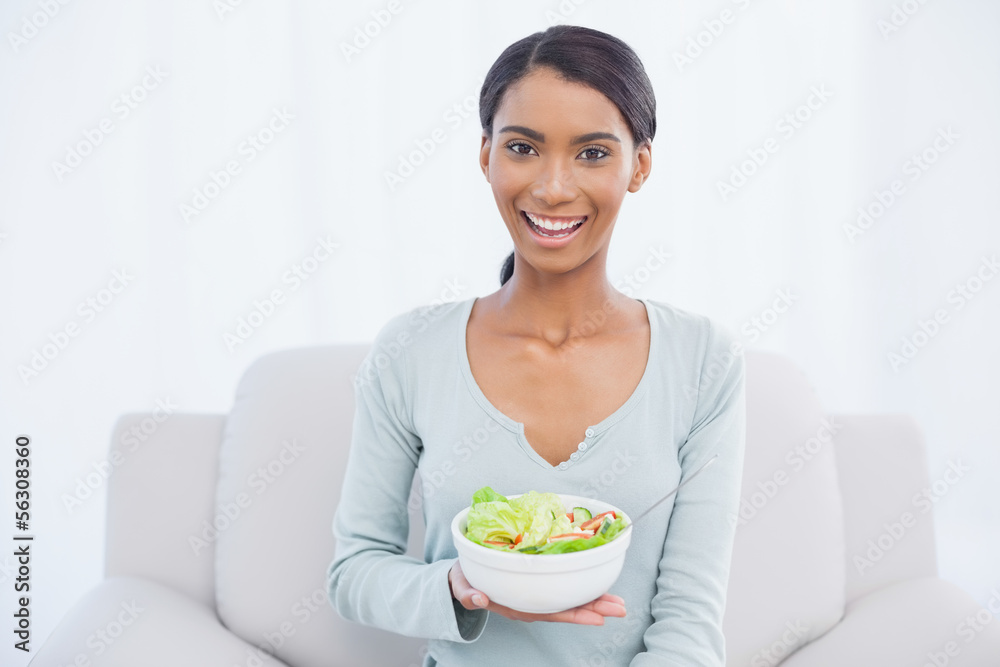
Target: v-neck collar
x,y
590,432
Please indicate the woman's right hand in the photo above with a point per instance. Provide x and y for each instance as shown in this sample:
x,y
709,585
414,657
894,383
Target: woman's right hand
x,y
592,613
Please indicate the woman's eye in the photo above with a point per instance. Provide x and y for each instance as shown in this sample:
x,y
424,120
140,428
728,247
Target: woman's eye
x,y
590,151
590,154
516,145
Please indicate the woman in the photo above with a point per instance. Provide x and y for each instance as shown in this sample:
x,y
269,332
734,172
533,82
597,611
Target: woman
x,y
555,382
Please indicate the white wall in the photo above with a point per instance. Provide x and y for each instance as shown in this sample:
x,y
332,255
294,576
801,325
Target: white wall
x,y
222,76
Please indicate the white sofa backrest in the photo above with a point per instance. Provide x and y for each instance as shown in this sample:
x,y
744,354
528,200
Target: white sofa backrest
x,y
787,580
280,467
888,500
161,491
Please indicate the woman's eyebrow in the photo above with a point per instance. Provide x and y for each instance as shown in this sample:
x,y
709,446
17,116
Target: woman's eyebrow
x,y
540,138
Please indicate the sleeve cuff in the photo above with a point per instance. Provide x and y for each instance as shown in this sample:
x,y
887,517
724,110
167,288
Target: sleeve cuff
x,y
468,624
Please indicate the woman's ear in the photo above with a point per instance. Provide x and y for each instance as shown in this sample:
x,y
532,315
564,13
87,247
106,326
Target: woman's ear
x,y
641,166
484,156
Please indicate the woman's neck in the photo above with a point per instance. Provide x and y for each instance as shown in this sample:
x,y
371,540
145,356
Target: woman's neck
x,y
560,307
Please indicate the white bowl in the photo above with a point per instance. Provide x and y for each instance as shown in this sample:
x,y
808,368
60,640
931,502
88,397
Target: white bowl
x,y
543,583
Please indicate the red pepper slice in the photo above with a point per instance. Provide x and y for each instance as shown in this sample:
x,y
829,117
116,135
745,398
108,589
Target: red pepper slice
x,y
570,536
596,521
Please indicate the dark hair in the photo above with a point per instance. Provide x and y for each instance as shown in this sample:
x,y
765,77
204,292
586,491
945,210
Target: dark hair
x,y
579,55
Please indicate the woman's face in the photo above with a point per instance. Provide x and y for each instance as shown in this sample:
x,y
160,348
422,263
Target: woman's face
x,y
561,153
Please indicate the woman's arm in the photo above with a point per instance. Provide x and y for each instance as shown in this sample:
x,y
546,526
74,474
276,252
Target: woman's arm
x,y
371,580
693,576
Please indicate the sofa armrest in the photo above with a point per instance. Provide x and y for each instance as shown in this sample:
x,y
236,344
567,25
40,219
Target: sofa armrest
x,y
161,500
135,622
888,526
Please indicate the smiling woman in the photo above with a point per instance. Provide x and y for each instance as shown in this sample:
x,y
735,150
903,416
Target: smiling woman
x,y
573,377
568,181
602,89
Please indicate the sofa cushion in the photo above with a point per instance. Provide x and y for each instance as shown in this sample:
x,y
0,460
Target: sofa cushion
x,y
282,459
143,492
888,519
914,623
788,557
134,621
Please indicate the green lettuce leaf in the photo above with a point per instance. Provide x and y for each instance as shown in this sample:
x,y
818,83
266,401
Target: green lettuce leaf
x,y
494,520
486,495
615,527
543,515
535,517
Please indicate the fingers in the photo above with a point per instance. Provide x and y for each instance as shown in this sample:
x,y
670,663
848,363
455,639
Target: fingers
x,y
461,590
608,597
607,607
592,613
579,615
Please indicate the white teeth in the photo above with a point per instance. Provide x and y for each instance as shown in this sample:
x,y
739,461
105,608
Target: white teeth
x,y
553,226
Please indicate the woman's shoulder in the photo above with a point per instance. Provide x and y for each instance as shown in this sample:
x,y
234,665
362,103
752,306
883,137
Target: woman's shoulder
x,y
682,321
705,355
426,324
694,331
413,336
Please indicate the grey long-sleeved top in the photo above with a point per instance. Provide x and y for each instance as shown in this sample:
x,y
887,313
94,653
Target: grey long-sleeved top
x,y
420,411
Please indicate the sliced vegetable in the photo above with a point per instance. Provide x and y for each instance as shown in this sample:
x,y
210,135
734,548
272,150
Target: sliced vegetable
x,y
594,523
570,536
537,523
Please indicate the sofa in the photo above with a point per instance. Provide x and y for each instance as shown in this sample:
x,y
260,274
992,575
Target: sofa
x,y
219,537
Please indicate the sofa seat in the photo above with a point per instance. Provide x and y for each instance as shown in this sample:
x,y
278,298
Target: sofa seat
x,y
135,621
912,623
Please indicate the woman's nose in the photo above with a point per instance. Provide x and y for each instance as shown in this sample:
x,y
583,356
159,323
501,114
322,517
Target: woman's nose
x,y
554,184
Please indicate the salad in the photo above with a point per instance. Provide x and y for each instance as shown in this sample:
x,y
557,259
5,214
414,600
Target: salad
x,y
537,523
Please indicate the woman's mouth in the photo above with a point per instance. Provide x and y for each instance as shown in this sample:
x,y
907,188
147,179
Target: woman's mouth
x,y
553,228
